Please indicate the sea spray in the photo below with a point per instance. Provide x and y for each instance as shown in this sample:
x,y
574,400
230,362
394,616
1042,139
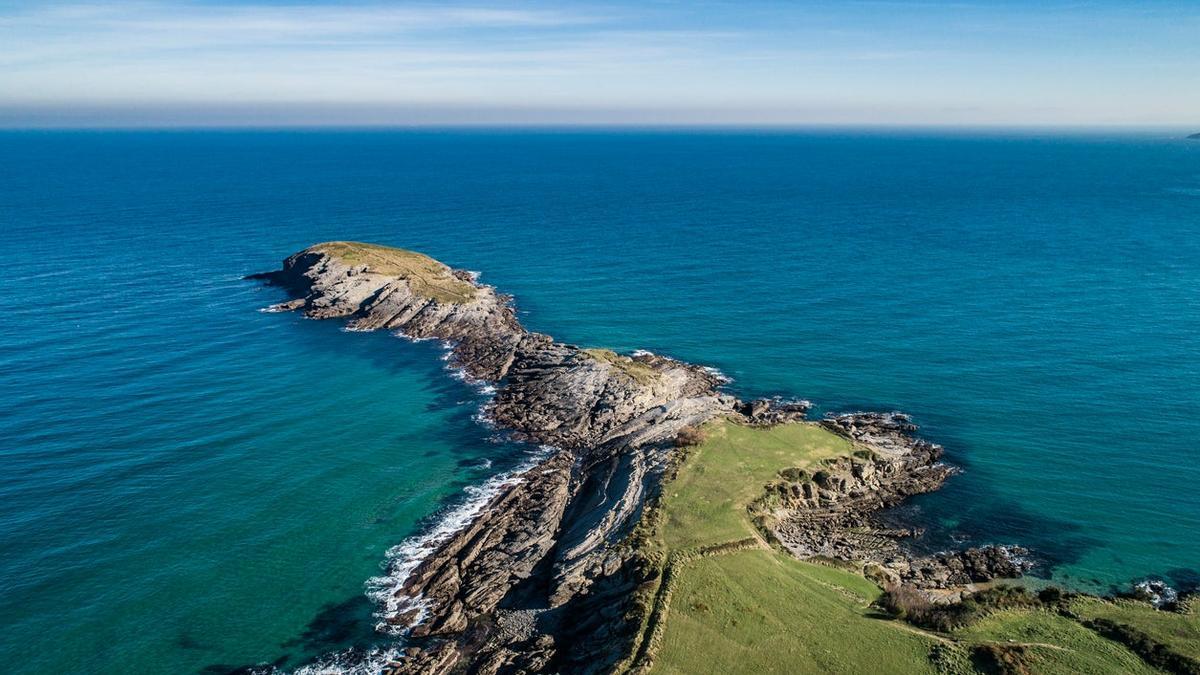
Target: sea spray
x,y
352,662
403,558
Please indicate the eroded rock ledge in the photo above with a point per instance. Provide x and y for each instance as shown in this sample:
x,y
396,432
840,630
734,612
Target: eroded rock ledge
x,y
541,580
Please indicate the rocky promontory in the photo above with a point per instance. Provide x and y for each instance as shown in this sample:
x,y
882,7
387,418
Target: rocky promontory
x,y
541,580
833,512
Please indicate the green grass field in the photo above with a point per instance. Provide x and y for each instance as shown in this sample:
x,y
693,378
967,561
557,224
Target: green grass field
x,y
707,503
759,611
1058,645
640,372
756,609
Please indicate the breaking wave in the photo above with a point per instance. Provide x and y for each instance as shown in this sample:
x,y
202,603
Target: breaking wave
x,y
405,557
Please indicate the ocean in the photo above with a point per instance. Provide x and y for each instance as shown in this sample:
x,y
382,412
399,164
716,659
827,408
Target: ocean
x,y
190,485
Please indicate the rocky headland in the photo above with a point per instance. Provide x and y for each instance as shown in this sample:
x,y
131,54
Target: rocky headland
x,y
543,578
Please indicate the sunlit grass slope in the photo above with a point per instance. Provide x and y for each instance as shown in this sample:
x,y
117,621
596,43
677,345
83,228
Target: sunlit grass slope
x,y
426,276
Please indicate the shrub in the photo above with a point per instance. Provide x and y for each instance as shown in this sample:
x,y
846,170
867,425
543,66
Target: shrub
x,y
910,604
1002,659
903,602
689,436
951,658
1052,596
1004,597
794,474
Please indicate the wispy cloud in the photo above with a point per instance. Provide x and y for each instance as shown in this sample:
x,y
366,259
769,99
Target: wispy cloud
x,y
886,60
75,31
321,53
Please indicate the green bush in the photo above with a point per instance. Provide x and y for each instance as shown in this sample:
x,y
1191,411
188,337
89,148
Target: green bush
x,y
910,604
1002,659
689,436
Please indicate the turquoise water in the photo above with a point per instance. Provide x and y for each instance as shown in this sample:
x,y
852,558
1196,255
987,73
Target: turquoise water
x,y
189,483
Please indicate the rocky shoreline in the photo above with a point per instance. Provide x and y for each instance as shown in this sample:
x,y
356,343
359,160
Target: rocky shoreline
x,y
542,578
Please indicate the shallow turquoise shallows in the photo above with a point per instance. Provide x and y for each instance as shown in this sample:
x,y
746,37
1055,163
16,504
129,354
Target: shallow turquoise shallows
x,y
188,483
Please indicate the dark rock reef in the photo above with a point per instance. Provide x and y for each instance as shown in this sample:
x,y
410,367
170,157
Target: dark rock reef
x,y
542,579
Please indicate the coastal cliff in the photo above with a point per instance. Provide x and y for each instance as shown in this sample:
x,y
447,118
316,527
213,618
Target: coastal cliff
x,y
546,577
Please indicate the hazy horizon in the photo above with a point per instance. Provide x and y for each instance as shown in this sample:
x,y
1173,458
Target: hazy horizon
x,y
963,64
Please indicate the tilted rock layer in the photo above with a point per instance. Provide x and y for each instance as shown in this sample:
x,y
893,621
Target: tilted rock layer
x,y
540,580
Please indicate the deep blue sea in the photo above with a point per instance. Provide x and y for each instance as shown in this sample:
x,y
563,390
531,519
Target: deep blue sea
x,y
187,483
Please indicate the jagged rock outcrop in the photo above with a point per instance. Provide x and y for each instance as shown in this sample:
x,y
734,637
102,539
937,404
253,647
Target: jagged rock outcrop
x,y
469,574
767,412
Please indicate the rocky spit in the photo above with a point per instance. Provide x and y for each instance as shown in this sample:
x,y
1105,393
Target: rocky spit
x,y
541,580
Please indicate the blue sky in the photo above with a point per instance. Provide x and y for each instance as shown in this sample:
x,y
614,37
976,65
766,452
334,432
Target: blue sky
x,y
872,62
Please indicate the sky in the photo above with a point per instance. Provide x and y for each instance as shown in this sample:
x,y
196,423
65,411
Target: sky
x,y
755,62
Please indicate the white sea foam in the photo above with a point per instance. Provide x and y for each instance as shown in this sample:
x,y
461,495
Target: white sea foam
x,y
353,662
482,418
459,373
402,559
273,309
722,377
405,557
1156,591
642,352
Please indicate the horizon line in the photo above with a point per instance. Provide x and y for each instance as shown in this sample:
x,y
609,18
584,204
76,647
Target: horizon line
x,y
604,126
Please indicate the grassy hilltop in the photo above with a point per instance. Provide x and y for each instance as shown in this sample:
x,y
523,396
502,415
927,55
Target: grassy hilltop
x,y
426,276
728,602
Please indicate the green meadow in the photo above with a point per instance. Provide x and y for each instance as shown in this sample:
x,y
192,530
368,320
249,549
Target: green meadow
x,y
728,602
